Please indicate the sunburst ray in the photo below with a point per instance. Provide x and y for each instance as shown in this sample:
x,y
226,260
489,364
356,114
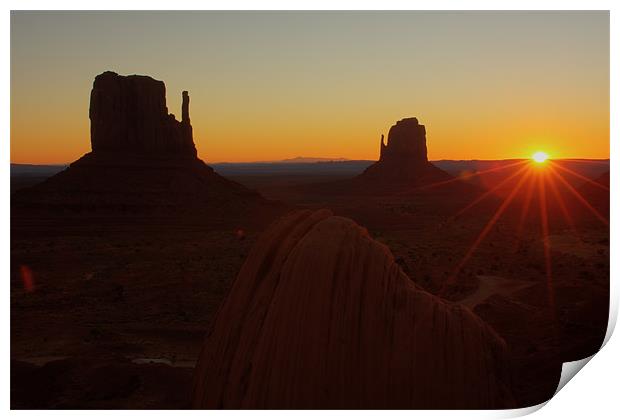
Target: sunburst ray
x,y
487,228
578,175
489,192
579,197
464,177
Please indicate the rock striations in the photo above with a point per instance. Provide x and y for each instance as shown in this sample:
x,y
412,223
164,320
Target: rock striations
x,y
320,316
403,160
143,162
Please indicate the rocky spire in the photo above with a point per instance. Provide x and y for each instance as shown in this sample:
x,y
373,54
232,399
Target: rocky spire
x,y
185,108
128,115
381,146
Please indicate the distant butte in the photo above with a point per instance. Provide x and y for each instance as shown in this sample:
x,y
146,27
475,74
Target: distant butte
x,y
403,160
143,163
128,114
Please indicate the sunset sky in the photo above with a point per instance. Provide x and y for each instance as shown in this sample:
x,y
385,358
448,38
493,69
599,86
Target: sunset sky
x,y
275,85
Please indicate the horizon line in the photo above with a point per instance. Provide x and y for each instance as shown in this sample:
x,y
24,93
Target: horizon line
x,y
326,160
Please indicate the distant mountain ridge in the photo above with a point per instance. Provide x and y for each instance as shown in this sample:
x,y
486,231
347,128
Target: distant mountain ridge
x,y
302,159
298,159
27,169
591,168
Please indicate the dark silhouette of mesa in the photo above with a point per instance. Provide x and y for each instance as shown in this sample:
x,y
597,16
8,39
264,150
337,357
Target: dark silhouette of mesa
x,y
143,163
403,161
403,168
128,116
142,278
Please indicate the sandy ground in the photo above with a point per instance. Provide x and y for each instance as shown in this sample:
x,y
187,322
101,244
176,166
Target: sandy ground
x,y
491,285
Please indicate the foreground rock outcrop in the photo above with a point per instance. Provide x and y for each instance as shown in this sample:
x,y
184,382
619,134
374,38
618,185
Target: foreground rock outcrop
x,y
143,163
403,160
320,316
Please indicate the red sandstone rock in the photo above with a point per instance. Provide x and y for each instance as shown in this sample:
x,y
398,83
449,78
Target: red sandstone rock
x,y
403,160
320,316
128,114
406,140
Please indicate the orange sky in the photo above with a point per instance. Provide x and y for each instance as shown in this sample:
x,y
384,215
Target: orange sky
x,y
275,85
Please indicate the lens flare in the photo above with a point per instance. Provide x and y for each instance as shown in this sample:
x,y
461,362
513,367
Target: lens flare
x,y
540,157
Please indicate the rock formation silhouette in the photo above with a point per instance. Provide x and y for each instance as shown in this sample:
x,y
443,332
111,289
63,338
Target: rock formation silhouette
x,y
406,141
143,162
321,316
128,114
403,160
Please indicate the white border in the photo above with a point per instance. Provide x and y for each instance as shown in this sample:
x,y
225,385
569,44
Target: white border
x,y
593,394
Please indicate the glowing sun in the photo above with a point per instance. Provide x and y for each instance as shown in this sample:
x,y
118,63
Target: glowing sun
x,y
540,157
